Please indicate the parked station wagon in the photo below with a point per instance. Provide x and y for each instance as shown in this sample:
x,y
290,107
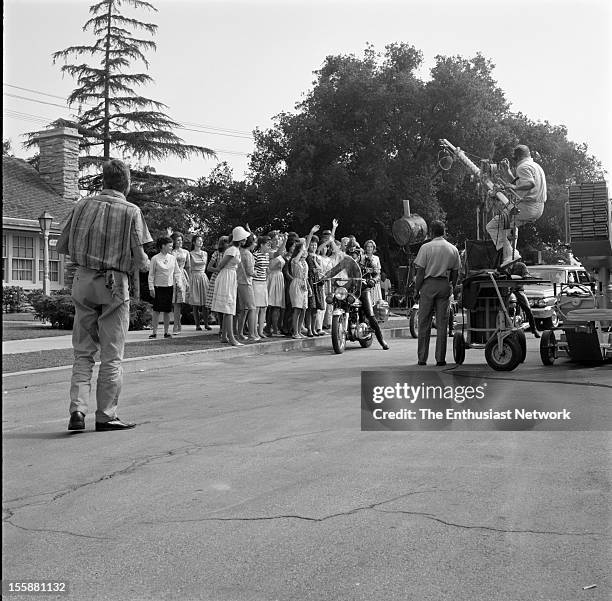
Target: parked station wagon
x,y
570,288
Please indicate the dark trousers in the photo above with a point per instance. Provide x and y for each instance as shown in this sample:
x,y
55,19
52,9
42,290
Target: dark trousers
x,y
523,303
434,296
366,306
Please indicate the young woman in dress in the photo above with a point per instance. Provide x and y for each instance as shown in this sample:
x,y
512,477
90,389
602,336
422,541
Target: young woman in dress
x,y
370,248
224,296
163,276
198,287
213,269
316,298
298,288
247,310
276,284
261,254
180,292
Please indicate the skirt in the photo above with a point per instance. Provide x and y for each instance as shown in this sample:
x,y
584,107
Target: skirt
x,y
180,296
211,290
260,292
246,298
276,289
224,297
317,299
162,303
298,292
376,294
198,289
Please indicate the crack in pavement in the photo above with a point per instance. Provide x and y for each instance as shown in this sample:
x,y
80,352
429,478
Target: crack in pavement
x,y
48,530
191,447
431,516
375,507
292,516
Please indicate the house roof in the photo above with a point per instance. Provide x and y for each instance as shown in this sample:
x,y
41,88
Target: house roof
x,y
25,195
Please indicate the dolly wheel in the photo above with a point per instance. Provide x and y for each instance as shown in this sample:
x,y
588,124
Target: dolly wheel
x,y
548,347
506,357
520,336
458,348
413,323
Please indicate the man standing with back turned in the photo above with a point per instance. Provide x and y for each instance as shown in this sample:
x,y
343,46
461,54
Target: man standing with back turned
x,y
437,268
104,237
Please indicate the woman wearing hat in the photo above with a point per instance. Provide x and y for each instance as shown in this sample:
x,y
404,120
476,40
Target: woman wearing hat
x,y
224,296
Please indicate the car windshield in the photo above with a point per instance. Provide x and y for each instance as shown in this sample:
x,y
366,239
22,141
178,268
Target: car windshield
x,y
556,276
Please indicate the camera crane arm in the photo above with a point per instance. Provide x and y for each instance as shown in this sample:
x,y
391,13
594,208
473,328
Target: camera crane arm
x,y
494,189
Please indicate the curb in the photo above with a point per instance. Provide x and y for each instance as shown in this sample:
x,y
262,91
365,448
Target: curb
x,y
154,362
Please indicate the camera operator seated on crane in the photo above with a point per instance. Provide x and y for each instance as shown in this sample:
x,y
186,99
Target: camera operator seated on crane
x,y
529,187
370,276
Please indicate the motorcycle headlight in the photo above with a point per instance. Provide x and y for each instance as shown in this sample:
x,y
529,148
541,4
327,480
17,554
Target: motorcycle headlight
x,y
341,293
329,299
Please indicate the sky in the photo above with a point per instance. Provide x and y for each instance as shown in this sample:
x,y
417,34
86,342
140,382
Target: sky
x,y
225,68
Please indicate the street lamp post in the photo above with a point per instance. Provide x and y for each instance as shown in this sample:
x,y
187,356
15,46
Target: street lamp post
x,y
45,227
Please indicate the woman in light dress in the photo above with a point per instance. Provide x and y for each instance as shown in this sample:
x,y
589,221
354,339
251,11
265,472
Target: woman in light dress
x,y
276,284
370,248
180,292
298,288
213,269
198,288
224,296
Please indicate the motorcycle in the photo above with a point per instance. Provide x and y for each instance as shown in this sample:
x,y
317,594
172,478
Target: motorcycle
x,y
349,322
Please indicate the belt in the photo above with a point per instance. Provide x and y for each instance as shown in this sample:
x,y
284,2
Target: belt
x,y
437,277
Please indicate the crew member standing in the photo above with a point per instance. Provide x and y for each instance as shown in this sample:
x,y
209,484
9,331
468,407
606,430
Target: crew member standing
x,y
104,236
437,268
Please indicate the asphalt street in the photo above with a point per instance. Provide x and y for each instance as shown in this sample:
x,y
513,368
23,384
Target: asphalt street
x,y
248,478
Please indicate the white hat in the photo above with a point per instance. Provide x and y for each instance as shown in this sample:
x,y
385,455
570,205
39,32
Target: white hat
x,y
239,234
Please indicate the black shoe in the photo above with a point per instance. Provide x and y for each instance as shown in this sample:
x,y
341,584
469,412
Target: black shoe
x,y
421,363
77,421
167,335
536,334
385,346
153,336
440,363
114,424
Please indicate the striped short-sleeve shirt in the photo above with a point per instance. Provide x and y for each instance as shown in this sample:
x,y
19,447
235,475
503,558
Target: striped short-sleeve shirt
x,y
262,263
102,230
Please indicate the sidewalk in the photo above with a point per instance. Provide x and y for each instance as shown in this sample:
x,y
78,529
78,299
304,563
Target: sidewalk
x,y
11,347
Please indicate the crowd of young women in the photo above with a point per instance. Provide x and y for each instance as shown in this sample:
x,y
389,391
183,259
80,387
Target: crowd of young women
x,y
256,286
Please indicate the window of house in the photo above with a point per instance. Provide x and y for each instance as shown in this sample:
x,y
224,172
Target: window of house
x,y
4,260
23,259
54,262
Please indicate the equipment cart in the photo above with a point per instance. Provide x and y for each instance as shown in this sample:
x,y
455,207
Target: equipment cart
x,y
487,322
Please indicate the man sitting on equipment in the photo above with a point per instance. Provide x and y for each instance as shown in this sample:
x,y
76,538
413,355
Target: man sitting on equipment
x,y
529,186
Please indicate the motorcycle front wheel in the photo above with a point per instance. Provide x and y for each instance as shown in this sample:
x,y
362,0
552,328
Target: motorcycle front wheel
x,y
338,333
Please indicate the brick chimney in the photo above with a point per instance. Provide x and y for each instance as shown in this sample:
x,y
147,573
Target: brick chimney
x,y
59,160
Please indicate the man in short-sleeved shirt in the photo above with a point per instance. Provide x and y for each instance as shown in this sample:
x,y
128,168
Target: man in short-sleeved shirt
x,y
530,185
437,268
104,236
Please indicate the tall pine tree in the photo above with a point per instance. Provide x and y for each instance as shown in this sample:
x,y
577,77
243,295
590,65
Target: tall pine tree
x,y
114,120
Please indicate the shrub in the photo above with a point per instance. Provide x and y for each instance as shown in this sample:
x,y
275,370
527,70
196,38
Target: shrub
x,y
58,310
140,314
13,299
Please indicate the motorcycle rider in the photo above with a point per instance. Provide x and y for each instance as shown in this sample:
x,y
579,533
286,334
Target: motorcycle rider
x,y
370,275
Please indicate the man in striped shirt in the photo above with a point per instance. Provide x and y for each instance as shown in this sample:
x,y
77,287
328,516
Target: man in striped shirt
x,y
104,236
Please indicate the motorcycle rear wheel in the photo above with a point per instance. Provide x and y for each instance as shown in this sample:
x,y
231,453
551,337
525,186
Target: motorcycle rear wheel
x,y
338,334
